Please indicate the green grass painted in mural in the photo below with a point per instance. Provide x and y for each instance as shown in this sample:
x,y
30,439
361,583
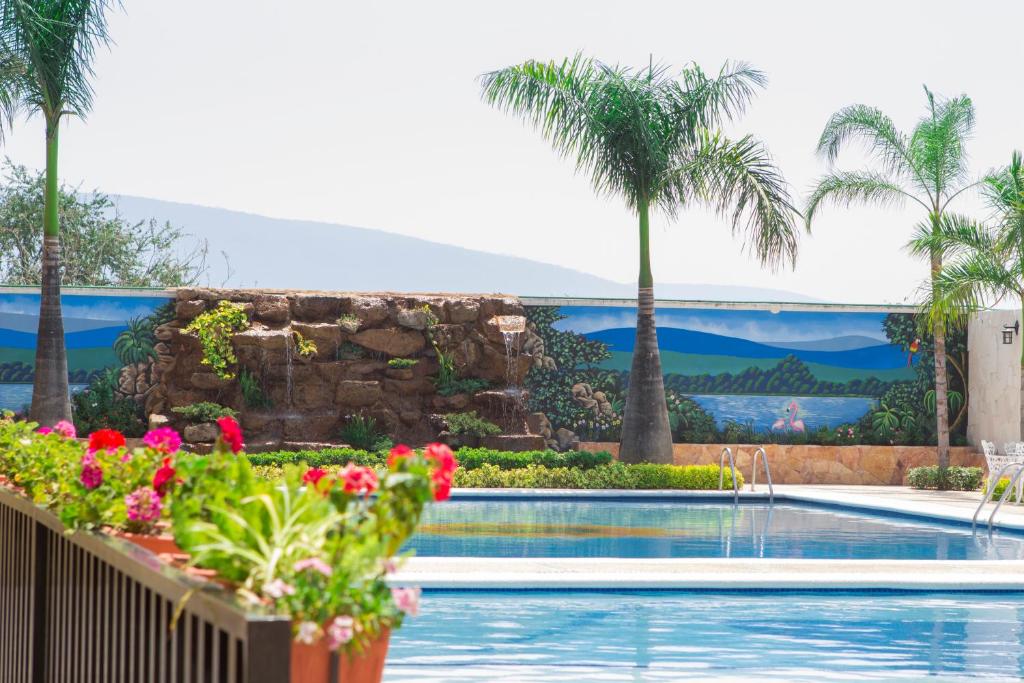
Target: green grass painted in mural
x,y
87,360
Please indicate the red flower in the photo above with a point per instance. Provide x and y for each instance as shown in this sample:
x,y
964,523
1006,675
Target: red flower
x,y
230,433
313,476
444,469
105,440
164,478
397,453
358,480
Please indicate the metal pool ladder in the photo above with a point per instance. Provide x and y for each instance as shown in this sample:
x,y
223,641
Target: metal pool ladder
x,y
721,474
1019,466
767,473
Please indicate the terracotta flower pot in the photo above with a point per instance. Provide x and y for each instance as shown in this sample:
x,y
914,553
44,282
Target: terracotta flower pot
x,y
366,666
157,543
312,663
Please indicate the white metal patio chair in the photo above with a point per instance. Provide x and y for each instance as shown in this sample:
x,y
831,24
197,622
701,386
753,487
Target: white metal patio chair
x,y
1013,452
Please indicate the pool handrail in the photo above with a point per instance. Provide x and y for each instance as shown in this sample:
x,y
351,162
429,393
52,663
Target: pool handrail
x,y
721,474
1006,492
992,489
767,472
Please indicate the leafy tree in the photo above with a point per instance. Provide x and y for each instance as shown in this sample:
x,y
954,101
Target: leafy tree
x,y
651,139
927,167
986,261
46,54
100,248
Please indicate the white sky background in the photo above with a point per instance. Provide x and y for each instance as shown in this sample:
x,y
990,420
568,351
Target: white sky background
x,y
369,114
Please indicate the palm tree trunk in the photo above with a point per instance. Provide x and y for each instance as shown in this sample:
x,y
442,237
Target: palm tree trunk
x,y
646,434
50,402
941,402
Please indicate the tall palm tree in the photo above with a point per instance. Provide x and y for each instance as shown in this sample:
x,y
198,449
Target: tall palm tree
x,y
46,50
650,138
927,168
985,263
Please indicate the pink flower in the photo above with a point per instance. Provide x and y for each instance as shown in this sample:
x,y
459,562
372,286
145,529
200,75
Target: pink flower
x,y
358,480
390,566
44,430
143,505
313,563
277,589
230,433
307,633
407,600
340,631
92,473
163,439
65,429
398,453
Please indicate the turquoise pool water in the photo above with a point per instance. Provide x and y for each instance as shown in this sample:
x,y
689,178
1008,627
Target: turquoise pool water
x,y
552,528
545,637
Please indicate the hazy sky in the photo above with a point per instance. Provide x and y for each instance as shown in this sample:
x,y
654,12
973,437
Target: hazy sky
x,y
369,114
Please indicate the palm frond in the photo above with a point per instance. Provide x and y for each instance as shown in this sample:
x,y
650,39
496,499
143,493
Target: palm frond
x,y
873,128
705,102
938,143
952,236
845,188
739,178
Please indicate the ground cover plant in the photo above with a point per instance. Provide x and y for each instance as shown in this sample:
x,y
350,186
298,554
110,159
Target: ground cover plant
x,y
469,458
204,411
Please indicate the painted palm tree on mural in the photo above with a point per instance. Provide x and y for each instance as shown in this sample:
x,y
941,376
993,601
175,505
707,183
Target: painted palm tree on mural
x,y
985,262
46,52
927,167
651,138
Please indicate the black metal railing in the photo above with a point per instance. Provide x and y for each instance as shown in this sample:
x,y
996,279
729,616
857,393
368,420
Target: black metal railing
x,y
85,608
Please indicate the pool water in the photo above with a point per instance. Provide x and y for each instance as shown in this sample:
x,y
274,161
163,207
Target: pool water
x,y
502,528
672,636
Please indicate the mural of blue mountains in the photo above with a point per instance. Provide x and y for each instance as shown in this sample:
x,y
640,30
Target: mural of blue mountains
x,y
84,339
877,357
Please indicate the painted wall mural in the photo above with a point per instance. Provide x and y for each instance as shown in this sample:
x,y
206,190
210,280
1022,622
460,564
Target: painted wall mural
x,y
749,375
109,340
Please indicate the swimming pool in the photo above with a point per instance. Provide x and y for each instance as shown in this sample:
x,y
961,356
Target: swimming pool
x,y
665,636
558,528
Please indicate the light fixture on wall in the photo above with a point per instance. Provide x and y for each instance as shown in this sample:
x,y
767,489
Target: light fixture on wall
x,y
1009,331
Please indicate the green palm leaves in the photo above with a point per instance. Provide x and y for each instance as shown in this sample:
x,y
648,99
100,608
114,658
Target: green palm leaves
x,y
651,138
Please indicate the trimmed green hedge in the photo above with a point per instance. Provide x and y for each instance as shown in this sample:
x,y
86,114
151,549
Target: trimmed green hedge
x,y
612,476
469,458
957,478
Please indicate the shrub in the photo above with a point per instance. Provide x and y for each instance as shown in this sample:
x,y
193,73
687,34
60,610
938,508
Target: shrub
x,y
361,432
351,351
461,385
957,478
325,458
469,424
402,363
612,476
204,411
306,348
349,323
98,406
472,458
1000,488
214,329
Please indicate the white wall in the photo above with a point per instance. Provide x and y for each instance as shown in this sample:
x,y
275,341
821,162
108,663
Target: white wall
x,y
994,380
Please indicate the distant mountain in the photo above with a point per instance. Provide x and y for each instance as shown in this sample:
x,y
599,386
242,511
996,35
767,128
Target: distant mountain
x,y
24,322
279,253
878,357
846,343
101,337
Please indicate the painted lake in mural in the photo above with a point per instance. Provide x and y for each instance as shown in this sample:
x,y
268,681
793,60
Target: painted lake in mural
x,y
765,412
17,395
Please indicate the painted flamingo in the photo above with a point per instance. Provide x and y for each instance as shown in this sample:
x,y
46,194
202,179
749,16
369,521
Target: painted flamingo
x,y
793,424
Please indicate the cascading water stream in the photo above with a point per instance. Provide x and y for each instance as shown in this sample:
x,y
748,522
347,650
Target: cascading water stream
x,y
511,327
288,369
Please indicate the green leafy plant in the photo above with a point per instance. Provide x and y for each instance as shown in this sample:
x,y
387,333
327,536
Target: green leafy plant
x,y
361,431
252,391
462,385
350,351
612,476
349,323
99,406
306,348
402,363
214,329
204,411
135,343
885,420
957,478
470,424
